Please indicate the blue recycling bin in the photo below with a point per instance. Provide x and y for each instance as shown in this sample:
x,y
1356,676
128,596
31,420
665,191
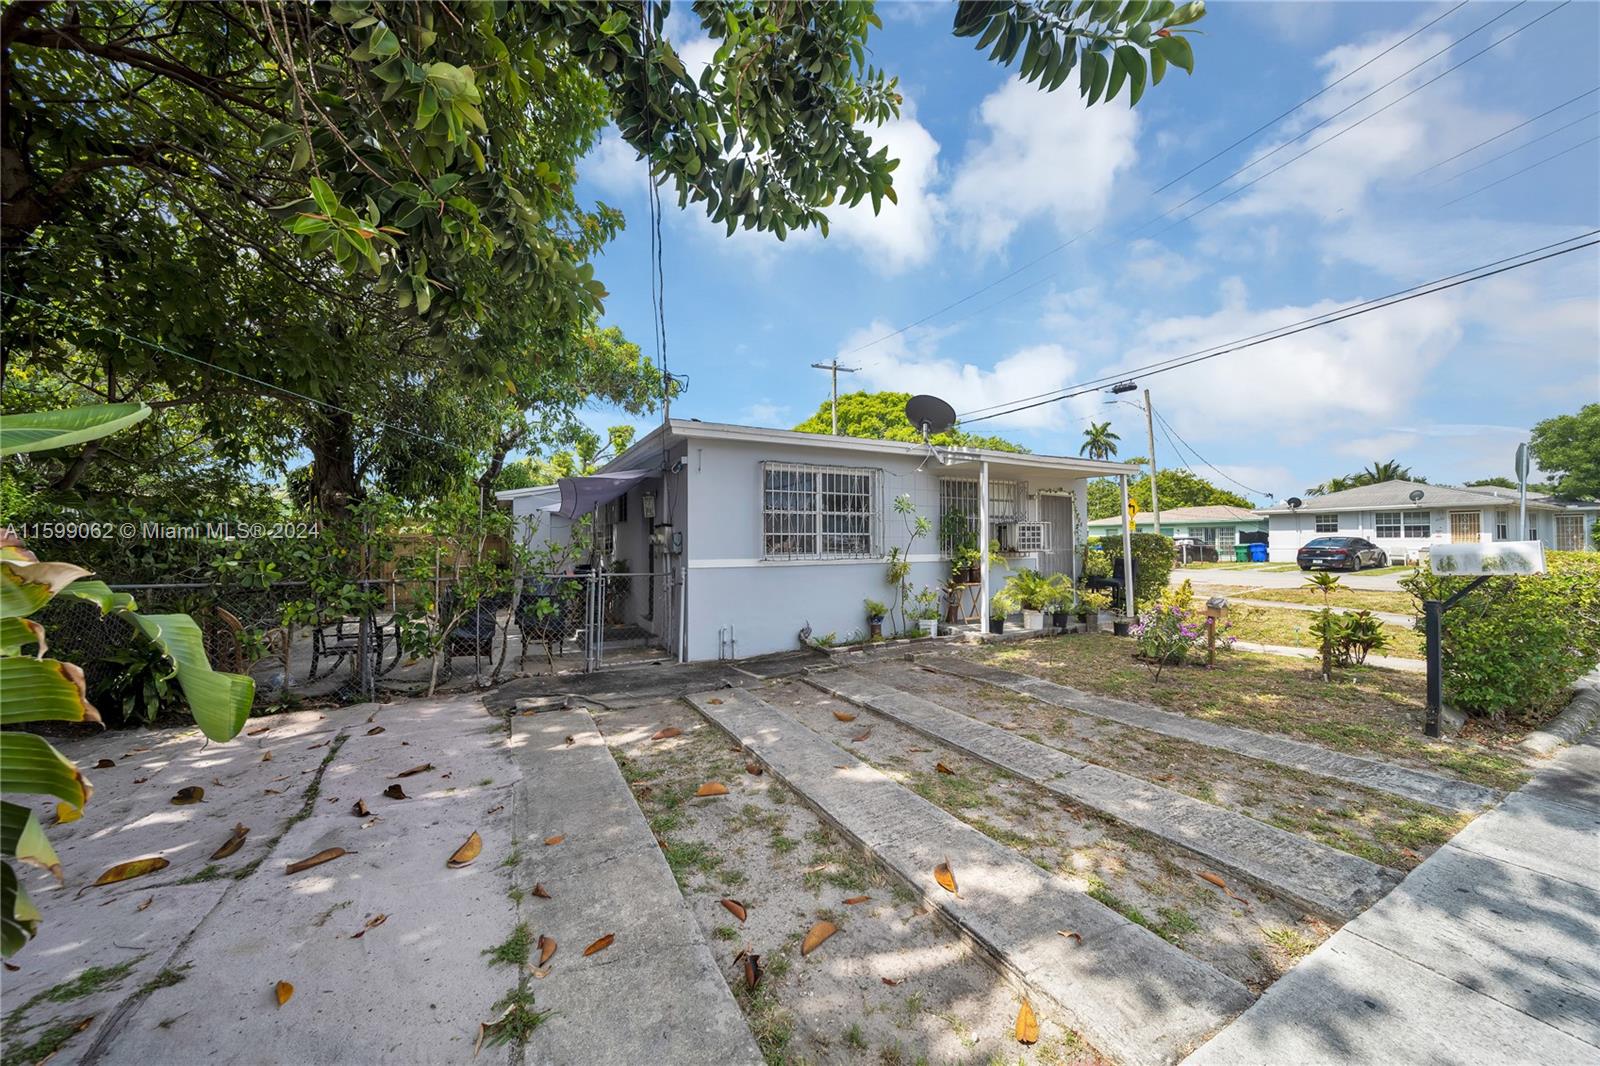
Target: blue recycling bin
x,y
1258,553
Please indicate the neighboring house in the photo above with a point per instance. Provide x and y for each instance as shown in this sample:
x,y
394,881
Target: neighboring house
x,y
760,532
1217,526
535,510
1386,515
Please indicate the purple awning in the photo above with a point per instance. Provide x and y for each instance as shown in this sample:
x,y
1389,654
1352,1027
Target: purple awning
x,y
580,495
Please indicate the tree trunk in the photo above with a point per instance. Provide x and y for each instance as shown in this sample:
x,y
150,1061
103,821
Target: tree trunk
x,y
333,464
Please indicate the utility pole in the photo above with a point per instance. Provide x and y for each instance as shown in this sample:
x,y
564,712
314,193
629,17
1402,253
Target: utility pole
x,y
834,368
1149,428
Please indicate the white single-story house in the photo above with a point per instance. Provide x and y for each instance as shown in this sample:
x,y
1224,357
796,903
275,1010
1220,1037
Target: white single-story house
x,y
1216,525
1387,515
758,533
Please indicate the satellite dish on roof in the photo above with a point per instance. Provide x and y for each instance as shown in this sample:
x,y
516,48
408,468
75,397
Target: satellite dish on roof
x,y
930,415
1293,502
1416,495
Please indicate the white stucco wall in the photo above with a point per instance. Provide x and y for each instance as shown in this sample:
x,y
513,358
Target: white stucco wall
x,y
766,602
1286,534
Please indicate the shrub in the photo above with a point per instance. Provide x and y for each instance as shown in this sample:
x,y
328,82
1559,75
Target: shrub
x,y
1152,562
1171,629
1514,645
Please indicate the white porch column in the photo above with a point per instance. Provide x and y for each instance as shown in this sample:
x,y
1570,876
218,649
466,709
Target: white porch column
x,y
1127,552
983,546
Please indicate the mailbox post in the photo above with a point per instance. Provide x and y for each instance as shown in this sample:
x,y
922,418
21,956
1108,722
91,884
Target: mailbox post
x,y
1216,608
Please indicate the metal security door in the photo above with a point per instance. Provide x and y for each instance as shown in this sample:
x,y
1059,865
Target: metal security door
x,y
1057,510
1465,528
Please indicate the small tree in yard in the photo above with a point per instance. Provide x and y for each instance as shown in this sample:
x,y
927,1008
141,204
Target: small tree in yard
x,y
1326,625
899,572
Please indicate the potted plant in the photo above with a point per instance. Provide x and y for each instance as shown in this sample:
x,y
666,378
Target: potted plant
x,y
875,613
1000,605
1034,592
925,611
964,565
1065,598
1090,604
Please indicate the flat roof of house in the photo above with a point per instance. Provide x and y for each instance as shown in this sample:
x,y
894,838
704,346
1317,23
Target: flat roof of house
x,y
1396,495
685,429
1212,513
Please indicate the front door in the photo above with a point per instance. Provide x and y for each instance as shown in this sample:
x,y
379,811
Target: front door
x,y
1057,510
1465,528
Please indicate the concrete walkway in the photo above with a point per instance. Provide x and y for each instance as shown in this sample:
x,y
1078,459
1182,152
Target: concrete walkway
x,y
656,994
1392,617
1132,995
1325,881
1282,579
1446,793
1488,954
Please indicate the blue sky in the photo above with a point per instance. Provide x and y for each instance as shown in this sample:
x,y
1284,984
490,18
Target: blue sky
x,y
995,173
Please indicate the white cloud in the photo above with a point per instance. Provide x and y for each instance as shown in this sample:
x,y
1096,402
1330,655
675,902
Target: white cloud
x,y
1041,155
765,413
613,165
910,363
903,234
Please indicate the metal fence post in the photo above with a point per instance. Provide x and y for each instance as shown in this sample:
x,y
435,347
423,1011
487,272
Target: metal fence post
x,y
1432,616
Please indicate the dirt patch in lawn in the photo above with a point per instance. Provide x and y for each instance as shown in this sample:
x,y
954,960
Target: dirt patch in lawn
x,y
1134,873
1272,625
1366,711
1378,827
893,985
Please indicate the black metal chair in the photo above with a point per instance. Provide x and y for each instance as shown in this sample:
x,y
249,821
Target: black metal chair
x,y
545,613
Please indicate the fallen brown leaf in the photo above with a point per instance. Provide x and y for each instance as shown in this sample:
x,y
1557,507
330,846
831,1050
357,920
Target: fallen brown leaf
x,y
539,891
266,756
666,734
547,948
599,945
945,876
395,792
12,967
325,855
375,730
814,938
890,981
126,871
859,737
733,907
496,809
1027,1025
752,970
1207,875
419,769
360,809
753,769
1070,934
104,764
712,788
853,900
146,904
844,716
140,780
371,923
544,971
714,699
283,991
943,769
467,852
272,792
256,732
233,843
551,842
188,795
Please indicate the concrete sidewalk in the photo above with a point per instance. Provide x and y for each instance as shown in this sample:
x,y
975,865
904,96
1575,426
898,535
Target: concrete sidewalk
x,y
1486,954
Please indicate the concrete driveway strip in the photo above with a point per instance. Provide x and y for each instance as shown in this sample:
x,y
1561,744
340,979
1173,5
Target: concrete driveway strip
x,y
656,995
1130,993
1485,955
1326,881
1446,793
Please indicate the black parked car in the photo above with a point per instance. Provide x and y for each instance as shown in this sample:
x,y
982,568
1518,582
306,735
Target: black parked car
x,y
1341,553
1193,550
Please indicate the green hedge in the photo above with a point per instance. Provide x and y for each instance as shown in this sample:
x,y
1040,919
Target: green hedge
x,y
1152,556
1513,646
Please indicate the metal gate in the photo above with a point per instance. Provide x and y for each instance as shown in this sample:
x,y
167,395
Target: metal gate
x,y
607,616
1057,510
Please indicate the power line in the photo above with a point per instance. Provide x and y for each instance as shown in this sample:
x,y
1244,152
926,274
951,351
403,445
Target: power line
x,y
1312,318
1351,311
1512,151
222,369
1329,140
1524,170
1331,85
1505,132
1168,426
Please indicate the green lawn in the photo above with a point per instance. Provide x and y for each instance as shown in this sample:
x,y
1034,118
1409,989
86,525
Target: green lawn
x,y
1358,599
1269,625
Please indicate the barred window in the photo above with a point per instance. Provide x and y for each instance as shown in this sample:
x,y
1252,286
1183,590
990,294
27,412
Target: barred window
x,y
1327,523
960,496
818,512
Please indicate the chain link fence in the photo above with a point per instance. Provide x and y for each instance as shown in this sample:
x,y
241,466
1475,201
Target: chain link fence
x,y
405,637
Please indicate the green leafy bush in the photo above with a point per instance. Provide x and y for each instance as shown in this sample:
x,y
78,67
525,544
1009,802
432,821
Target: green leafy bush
x,y
1152,558
1513,646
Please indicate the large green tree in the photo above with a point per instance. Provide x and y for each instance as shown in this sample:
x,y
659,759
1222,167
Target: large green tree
x,y
1178,488
1099,442
1567,449
882,416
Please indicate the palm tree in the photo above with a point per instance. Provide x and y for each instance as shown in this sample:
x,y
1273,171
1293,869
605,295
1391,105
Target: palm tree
x,y
1388,470
1098,441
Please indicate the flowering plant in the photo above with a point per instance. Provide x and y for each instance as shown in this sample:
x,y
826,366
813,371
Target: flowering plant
x,y
1169,631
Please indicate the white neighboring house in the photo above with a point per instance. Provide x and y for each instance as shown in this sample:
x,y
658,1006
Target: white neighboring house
x,y
1386,515
759,532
